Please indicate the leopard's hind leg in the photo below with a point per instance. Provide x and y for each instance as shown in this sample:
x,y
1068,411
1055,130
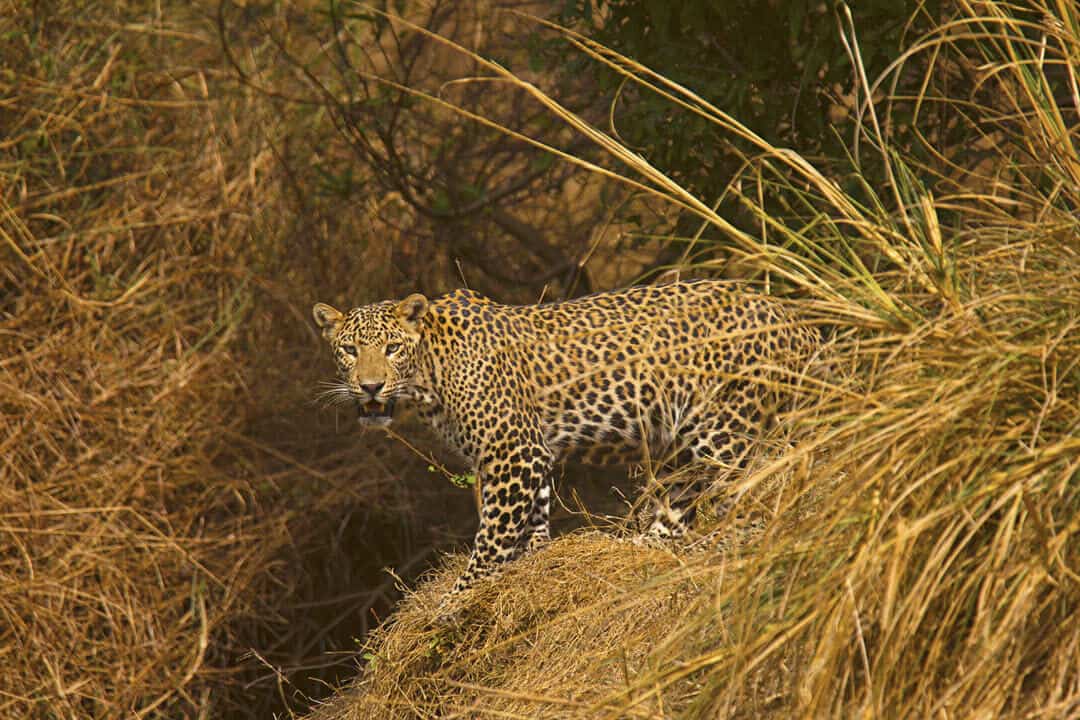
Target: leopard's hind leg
x,y
712,444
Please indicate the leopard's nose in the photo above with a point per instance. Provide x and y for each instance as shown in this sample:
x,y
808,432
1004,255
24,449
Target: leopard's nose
x,y
372,389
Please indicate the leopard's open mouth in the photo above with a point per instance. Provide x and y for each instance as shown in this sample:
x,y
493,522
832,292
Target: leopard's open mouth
x,y
374,412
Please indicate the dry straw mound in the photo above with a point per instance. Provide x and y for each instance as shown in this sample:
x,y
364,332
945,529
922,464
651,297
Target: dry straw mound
x,y
565,631
567,627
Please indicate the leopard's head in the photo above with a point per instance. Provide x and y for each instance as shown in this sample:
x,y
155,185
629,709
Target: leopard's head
x,y
376,349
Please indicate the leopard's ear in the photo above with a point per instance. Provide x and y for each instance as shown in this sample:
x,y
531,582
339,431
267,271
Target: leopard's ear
x,y
411,311
327,318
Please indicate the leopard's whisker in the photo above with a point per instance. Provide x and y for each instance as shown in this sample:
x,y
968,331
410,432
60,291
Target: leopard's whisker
x,y
334,394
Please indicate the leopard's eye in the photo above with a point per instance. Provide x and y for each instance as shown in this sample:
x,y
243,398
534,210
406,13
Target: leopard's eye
x,y
392,348
349,349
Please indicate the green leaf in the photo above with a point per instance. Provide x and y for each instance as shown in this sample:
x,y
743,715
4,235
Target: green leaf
x,y
463,481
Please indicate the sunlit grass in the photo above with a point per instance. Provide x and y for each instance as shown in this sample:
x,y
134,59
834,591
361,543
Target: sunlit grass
x,y
921,539
907,548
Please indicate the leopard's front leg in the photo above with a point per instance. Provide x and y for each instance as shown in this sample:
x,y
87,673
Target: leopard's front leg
x,y
509,486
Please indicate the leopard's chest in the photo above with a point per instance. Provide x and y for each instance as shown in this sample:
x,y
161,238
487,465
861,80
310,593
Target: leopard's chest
x,y
433,410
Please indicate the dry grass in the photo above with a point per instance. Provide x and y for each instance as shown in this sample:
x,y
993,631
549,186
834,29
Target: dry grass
x,y
567,631
921,558
170,496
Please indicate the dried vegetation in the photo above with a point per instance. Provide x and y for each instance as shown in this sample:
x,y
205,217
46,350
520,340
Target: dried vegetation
x,y
170,498
919,556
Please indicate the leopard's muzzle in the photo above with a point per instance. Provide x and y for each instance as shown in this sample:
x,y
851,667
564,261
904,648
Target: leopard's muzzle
x,y
373,412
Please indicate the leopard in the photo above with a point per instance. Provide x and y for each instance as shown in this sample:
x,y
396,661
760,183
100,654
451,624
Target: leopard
x,y
682,374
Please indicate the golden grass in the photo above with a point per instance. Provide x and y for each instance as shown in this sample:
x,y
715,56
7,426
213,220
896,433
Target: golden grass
x,y
169,498
921,557
163,469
